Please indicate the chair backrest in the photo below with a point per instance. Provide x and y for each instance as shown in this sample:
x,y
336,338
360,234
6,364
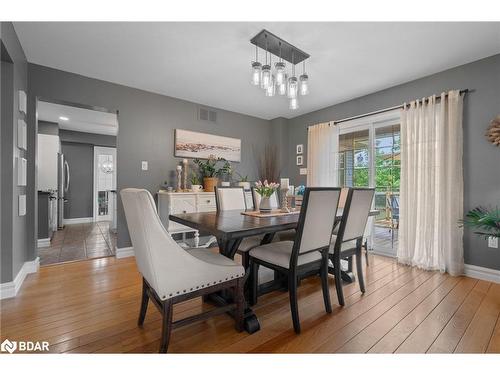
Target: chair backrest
x,y
343,197
355,214
160,260
273,200
230,198
316,220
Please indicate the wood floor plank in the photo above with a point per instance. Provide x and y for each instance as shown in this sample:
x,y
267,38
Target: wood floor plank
x,y
92,306
424,335
365,339
479,332
448,339
397,335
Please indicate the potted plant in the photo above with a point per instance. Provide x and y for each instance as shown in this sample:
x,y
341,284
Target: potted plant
x,y
196,183
210,171
225,173
265,190
243,181
485,221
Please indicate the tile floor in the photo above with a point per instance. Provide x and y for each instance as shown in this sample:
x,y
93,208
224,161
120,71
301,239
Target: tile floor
x,y
79,241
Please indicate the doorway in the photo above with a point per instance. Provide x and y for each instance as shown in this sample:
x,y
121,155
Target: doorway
x,y
369,156
77,145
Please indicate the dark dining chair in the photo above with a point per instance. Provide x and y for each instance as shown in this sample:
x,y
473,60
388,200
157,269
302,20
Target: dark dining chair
x,y
348,240
394,200
307,254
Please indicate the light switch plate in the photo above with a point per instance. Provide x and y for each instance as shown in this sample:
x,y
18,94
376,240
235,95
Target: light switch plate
x,y
22,205
144,165
303,171
493,242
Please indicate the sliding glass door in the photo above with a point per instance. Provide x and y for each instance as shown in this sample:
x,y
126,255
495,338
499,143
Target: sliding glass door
x,y
369,156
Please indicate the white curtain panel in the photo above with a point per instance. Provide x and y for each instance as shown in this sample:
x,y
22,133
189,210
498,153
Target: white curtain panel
x,y
322,154
431,202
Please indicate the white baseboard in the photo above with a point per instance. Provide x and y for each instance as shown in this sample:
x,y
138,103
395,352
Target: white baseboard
x,y
482,273
124,252
78,220
10,289
43,242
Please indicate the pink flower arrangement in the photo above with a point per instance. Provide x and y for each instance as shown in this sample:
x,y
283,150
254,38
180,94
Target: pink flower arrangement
x,y
266,189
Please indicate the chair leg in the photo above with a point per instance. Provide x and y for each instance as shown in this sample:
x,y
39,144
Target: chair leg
x,y
144,304
166,325
245,260
324,284
338,278
366,253
239,294
359,269
292,289
254,280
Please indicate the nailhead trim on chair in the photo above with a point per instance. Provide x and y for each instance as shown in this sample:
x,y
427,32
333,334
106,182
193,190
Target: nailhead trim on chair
x,y
203,285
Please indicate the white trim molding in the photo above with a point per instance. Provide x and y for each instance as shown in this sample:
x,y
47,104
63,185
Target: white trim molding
x,y
43,242
11,288
124,252
78,220
482,273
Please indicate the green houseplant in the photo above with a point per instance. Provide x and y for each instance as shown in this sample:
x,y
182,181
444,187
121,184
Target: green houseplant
x,y
196,185
243,181
485,221
211,170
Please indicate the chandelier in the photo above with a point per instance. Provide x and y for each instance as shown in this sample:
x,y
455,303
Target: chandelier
x,y
279,79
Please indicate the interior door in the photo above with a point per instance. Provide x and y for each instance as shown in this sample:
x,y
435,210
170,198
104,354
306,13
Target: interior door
x,y
104,182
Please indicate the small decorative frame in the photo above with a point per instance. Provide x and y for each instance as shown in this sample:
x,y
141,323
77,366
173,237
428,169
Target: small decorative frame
x,y
21,134
300,149
300,160
22,101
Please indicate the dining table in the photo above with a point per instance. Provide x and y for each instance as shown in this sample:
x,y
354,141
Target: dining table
x,y
232,226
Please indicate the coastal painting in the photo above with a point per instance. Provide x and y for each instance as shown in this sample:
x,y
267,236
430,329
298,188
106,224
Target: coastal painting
x,y
189,144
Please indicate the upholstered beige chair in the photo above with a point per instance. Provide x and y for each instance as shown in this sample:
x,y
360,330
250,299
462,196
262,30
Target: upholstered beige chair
x,y
286,235
233,198
172,274
307,254
347,241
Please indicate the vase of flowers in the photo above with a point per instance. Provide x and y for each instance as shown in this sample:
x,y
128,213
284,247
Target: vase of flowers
x,y
265,190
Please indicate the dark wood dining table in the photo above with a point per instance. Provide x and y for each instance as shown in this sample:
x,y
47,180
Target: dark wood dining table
x,y
231,227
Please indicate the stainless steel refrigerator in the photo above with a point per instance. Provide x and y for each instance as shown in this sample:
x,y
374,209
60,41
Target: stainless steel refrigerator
x,y
62,188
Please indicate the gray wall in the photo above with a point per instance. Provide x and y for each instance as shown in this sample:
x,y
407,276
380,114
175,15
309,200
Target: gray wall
x,y
481,159
90,138
13,227
80,158
147,122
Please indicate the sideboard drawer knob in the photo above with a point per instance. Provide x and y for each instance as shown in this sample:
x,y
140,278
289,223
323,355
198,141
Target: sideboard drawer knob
x,y
184,211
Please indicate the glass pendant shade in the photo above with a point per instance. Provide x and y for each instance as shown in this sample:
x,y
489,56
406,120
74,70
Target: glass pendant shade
x,y
271,89
256,72
266,77
282,88
294,104
304,84
292,87
280,72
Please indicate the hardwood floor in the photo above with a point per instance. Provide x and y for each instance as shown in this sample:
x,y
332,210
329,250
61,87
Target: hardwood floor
x,y
92,307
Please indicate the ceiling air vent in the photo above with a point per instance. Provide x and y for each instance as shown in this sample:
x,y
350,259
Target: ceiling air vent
x,y
206,114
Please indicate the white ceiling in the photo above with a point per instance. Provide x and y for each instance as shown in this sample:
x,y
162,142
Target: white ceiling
x,y
79,119
209,63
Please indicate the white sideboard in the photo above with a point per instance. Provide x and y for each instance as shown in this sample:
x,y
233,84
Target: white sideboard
x,y
187,202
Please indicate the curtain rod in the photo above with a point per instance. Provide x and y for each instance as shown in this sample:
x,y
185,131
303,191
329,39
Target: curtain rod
x,y
400,106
